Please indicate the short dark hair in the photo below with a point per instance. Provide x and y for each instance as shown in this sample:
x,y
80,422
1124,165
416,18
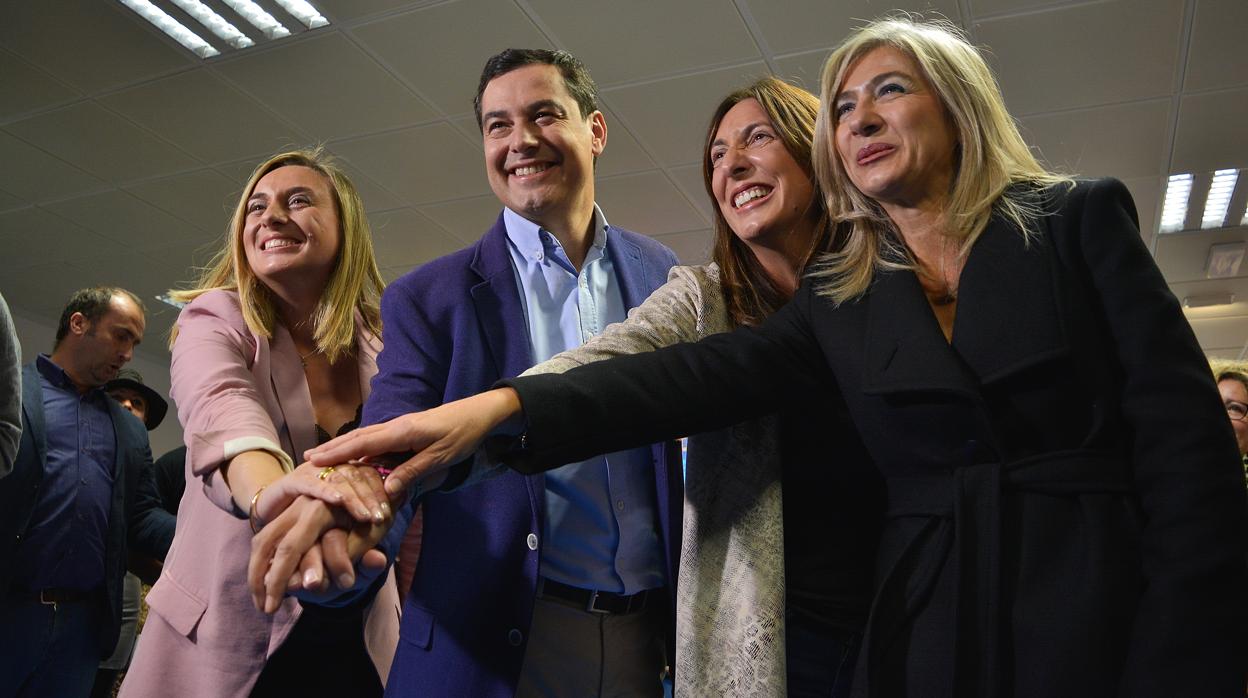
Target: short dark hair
x,y
575,75
93,303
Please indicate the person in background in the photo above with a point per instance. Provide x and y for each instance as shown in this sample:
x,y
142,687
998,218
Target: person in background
x,y
1066,514
272,355
10,390
80,497
170,472
1232,379
146,404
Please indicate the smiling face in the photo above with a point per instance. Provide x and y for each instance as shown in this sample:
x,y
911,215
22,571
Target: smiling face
x,y
763,194
539,149
291,234
894,138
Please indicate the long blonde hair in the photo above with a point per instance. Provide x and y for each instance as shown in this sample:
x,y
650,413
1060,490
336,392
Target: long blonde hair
x,y
991,155
354,285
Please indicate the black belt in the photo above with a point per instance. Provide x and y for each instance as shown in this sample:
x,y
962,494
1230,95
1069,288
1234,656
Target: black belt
x,y
595,601
52,597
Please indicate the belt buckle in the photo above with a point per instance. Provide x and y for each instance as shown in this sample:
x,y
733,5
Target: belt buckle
x,y
591,606
46,602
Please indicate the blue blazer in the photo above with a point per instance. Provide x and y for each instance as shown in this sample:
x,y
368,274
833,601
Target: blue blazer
x,y
454,327
135,517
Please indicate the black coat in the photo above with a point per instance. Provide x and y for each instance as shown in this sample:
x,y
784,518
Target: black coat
x,y
135,519
1065,505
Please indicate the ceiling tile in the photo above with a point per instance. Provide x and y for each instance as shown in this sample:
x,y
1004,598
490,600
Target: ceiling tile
x,y
1216,57
980,8
26,88
101,143
8,201
1084,55
206,117
88,44
805,24
1120,141
689,180
205,199
466,219
467,125
40,292
375,196
803,69
693,247
292,80
437,53
403,237
1222,333
33,236
181,260
670,116
647,203
623,153
342,10
1182,256
124,219
420,165
40,176
1211,133
663,37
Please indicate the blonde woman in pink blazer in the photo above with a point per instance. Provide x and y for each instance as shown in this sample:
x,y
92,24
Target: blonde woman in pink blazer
x,y
272,356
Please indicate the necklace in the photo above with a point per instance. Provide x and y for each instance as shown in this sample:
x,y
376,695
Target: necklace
x,y
303,358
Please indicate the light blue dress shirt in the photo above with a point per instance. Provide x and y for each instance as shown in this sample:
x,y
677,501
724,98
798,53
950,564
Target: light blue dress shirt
x,y
601,525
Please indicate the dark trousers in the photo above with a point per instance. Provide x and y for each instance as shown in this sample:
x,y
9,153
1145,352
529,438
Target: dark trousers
x,y
47,650
820,657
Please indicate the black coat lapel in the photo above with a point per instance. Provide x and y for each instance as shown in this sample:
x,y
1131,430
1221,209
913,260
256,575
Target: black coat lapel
x,y
905,349
1008,317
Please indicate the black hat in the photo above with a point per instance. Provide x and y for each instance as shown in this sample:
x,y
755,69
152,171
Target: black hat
x,y
156,405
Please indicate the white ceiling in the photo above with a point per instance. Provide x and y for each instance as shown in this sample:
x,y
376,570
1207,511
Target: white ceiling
x,y
122,152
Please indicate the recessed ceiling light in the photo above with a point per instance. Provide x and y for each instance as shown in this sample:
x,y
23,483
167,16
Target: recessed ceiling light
x,y
215,23
258,18
175,29
1174,212
1219,198
304,12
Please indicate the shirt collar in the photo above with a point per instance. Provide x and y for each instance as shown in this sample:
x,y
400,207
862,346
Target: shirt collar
x,y
58,377
532,241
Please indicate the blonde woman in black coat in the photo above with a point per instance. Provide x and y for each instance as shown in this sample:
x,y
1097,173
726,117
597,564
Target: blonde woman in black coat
x,y
1065,513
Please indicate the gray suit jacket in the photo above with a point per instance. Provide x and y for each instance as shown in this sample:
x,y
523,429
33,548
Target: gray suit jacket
x,y
10,391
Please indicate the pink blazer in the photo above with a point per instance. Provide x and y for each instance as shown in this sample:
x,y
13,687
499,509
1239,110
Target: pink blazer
x,y
234,392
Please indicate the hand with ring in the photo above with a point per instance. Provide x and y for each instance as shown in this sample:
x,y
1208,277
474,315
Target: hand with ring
x,y
355,488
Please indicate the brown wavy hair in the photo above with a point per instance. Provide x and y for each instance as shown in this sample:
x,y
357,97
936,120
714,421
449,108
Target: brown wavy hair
x,y
749,294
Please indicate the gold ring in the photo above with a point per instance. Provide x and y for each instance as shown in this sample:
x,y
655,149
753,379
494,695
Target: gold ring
x,y
325,472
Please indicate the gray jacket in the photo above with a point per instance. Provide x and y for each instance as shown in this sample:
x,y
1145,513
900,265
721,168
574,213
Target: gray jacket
x,y
10,390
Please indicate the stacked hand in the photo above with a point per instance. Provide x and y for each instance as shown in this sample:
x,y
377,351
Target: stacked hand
x,y
312,534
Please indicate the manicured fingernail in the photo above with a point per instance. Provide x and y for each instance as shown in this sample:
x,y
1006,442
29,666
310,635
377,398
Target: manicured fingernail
x,y
311,578
364,512
385,509
379,515
346,579
393,485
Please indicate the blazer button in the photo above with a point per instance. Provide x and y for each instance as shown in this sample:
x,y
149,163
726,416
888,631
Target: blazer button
x,y
515,637
532,541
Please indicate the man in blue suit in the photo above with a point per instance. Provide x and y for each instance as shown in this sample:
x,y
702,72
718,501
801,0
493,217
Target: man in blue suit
x,y
555,584
81,491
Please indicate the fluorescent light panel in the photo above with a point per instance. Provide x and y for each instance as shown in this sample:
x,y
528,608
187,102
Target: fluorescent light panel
x,y
258,18
1219,199
304,12
215,23
175,29
1174,212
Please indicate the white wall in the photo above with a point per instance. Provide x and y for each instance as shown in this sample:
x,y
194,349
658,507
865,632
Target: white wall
x,y
37,335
